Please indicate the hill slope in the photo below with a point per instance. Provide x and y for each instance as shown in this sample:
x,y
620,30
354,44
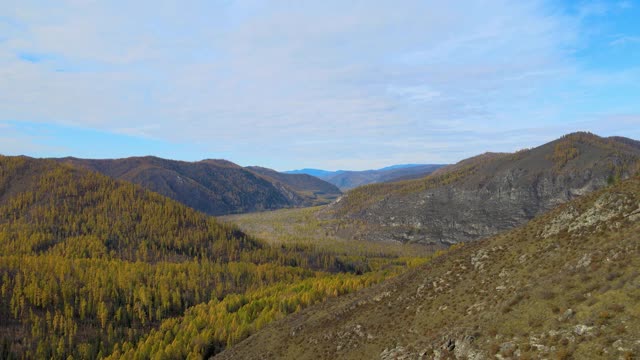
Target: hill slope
x,y
44,204
215,187
481,196
314,190
88,262
566,285
90,267
345,180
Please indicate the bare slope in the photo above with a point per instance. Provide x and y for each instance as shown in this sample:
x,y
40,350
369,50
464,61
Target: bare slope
x,y
565,286
481,196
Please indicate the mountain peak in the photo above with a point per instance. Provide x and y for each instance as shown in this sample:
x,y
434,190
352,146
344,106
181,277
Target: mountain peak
x,y
488,193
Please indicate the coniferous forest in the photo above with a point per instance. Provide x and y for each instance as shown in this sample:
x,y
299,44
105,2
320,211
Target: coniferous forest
x,y
312,180
92,267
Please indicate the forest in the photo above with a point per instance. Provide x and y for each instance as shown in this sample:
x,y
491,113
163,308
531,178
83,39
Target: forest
x,y
94,267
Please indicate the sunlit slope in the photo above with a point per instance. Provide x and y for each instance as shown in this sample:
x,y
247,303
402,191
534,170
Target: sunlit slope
x,y
565,285
486,194
89,264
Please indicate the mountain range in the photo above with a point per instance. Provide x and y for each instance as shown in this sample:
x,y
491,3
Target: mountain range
x,y
532,254
348,179
216,187
489,193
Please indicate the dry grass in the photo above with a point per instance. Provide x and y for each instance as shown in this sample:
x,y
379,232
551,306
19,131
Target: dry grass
x,y
518,294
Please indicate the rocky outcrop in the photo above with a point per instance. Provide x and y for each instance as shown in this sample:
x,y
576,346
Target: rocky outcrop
x,y
490,193
523,294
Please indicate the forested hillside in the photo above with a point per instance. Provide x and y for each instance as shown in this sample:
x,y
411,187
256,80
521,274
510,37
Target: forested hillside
x,y
90,264
215,187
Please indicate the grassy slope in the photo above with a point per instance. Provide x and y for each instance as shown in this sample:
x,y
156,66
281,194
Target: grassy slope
x,y
566,285
303,226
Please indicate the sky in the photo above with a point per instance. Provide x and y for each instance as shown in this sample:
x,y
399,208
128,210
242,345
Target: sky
x,y
323,84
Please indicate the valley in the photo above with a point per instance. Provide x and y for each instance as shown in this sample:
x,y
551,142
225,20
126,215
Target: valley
x,y
565,285
91,265
320,180
349,179
97,266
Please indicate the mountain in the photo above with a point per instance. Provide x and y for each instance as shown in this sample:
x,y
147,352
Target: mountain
x,y
564,286
314,190
399,166
322,174
90,266
47,206
345,179
489,193
215,187
351,179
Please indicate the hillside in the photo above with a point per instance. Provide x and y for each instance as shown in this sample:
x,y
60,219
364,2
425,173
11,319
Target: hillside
x,y
564,286
484,195
345,179
215,187
314,190
90,266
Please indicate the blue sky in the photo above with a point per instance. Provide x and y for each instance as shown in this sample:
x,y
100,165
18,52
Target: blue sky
x,y
326,84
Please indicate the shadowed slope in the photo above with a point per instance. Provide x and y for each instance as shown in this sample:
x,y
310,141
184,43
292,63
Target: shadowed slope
x,y
216,187
315,191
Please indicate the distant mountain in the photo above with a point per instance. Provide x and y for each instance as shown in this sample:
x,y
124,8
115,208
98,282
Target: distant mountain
x,y
314,172
215,187
483,195
313,189
346,179
399,166
564,286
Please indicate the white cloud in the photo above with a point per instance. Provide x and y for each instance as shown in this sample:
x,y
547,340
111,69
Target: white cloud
x,y
260,80
625,40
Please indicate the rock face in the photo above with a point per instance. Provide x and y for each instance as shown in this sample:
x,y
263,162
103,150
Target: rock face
x,y
481,196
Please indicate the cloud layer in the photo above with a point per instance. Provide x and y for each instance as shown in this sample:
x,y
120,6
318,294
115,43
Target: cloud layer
x,y
351,84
